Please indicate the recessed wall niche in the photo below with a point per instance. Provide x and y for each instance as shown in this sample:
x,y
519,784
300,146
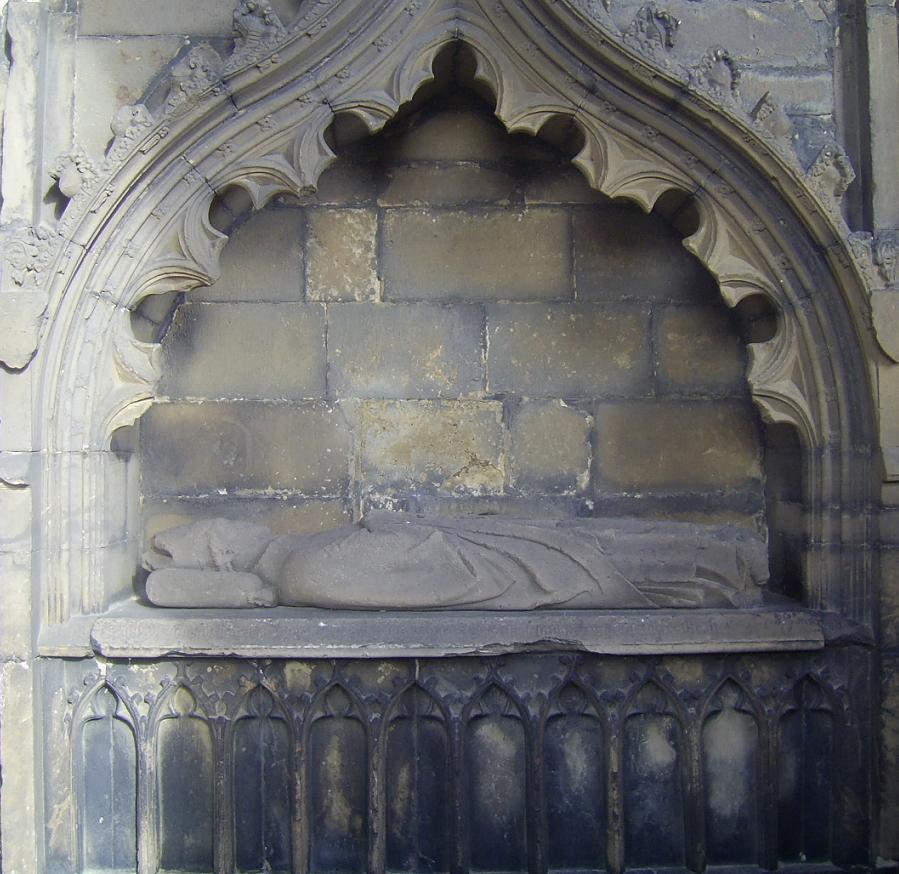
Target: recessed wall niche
x,y
455,323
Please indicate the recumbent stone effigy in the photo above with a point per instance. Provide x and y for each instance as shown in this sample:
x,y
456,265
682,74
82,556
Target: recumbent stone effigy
x,y
402,561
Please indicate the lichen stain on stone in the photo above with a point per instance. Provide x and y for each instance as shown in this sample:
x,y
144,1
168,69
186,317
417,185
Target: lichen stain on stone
x,y
338,811
729,741
656,754
399,798
298,675
499,781
578,760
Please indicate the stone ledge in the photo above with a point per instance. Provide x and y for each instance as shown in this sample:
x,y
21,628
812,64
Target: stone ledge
x,y
136,631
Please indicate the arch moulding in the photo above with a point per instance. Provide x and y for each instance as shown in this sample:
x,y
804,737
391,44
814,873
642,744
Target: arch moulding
x,y
257,121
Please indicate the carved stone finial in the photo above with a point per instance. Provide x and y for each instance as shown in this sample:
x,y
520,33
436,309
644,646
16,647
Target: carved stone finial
x,y
718,75
26,254
257,30
191,76
831,173
886,255
769,117
652,31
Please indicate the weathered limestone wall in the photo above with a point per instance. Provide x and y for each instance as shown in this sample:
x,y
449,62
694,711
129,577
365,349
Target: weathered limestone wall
x,y
456,323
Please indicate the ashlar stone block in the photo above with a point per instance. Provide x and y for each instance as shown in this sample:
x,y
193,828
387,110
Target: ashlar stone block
x,y
676,444
282,514
550,448
341,253
455,447
424,184
222,448
262,261
248,350
462,135
622,254
199,17
491,254
698,349
568,350
405,350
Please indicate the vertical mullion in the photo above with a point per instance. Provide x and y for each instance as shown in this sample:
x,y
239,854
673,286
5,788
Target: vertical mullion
x,y
377,819
535,794
615,792
694,796
223,834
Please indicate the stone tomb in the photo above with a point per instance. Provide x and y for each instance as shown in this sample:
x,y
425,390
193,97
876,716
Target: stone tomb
x,y
453,321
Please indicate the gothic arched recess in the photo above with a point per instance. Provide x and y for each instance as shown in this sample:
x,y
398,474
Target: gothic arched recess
x,y
257,120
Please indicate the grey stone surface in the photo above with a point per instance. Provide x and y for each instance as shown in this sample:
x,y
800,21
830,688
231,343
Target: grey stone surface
x,y
426,184
199,18
578,350
399,351
109,74
282,514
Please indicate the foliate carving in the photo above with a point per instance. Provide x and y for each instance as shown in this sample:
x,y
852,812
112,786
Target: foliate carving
x,y
886,255
771,120
27,254
257,32
831,174
717,75
194,74
131,121
73,171
861,244
652,31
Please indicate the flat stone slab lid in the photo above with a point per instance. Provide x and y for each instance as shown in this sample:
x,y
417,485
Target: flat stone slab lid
x,y
135,631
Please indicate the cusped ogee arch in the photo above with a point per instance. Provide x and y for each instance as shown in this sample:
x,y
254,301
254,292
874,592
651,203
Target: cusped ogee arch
x,y
258,121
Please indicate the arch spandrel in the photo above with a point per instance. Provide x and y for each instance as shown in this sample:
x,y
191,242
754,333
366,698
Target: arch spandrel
x,y
258,121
